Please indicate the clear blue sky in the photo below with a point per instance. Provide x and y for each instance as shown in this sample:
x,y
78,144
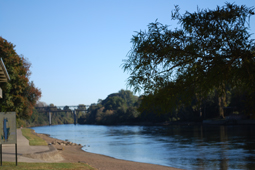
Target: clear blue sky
x,y
76,47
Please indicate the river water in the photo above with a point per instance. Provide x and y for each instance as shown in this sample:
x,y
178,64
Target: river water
x,y
187,147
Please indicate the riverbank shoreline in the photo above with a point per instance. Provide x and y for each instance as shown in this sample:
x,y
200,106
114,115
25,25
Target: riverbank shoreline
x,y
189,123
170,123
74,153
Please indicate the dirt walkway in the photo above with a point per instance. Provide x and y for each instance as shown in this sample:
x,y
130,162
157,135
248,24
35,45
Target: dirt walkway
x,y
23,148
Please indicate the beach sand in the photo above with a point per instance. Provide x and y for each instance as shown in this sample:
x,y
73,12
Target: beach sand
x,y
100,162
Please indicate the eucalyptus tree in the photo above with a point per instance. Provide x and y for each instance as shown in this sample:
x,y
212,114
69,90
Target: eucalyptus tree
x,y
209,49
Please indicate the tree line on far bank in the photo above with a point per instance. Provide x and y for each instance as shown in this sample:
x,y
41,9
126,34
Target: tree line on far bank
x,y
117,108
124,107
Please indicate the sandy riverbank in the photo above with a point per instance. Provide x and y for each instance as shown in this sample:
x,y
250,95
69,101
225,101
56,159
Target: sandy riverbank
x,y
101,162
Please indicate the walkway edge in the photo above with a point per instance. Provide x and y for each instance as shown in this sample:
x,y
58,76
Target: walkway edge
x,y
51,155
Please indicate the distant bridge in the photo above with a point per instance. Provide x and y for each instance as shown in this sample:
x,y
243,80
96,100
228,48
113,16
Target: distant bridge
x,y
55,109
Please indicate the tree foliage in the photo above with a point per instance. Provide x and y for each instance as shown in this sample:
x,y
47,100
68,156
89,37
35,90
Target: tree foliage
x,y
115,109
211,49
19,94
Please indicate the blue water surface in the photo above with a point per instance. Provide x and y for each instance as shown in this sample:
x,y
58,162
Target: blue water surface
x,y
186,147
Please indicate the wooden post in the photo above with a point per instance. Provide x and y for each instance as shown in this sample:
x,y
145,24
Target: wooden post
x,y
1,153
16,154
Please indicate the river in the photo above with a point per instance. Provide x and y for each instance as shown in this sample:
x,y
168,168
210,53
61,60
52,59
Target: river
x,y
187,147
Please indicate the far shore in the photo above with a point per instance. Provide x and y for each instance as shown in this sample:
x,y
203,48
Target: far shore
x,y
168,123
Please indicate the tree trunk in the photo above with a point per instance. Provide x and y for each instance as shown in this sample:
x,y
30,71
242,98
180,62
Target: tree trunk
x,y
222,103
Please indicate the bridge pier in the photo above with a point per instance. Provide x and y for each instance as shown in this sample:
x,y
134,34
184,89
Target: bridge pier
x,y
49,118
74,117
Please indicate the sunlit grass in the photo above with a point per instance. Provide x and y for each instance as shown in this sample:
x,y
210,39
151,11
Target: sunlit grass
x,y
62,166
33,139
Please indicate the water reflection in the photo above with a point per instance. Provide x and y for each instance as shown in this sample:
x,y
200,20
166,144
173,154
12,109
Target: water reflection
x,y
187,147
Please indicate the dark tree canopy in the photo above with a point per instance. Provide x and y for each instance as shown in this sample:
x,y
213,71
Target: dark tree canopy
x,y
19,94
211,48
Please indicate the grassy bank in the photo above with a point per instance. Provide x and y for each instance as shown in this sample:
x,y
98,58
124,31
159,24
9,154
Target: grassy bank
x,y
37,141
60,166
33,139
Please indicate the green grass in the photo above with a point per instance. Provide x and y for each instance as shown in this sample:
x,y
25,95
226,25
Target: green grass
x,y
33,139
61,166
